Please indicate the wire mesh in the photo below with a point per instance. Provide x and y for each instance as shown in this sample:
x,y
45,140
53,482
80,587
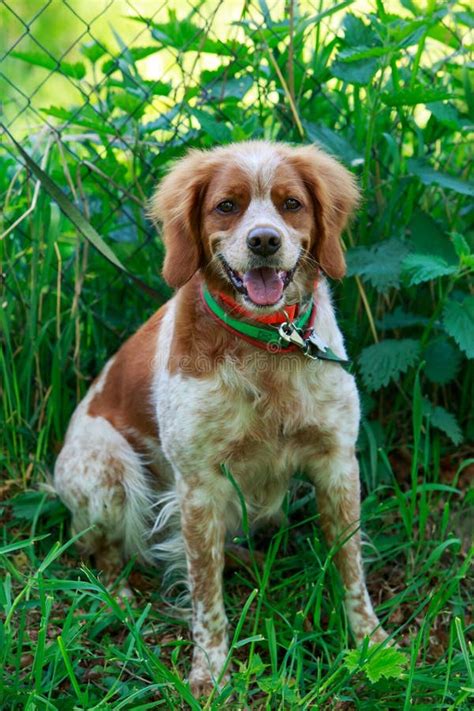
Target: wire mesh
x,y
114,90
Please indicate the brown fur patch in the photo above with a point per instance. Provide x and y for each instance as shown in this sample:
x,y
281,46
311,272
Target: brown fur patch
x,y
199,345
125,399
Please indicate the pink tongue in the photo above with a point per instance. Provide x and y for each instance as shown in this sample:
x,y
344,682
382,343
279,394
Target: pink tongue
x,y
263,285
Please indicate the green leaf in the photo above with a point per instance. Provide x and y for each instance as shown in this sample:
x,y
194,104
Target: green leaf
x,y
219,131
380,265
443,420
465,18
442,361
332,141
133,105
381,662
415,95
401,319
26,504
445,114
361,72
458,322
354,54
357,33
384,362
75,71
430,176
93,50
234,87
185,36
460,245
424,267
386,662
427,237
138,53
85,116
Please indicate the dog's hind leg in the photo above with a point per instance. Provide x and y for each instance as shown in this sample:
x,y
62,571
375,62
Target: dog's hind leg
x,y
102,481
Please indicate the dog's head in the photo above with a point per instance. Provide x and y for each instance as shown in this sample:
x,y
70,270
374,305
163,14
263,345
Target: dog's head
x,y
259,219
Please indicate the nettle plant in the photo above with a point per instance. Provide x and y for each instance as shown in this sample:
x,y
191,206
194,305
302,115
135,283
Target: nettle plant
x,y
389,95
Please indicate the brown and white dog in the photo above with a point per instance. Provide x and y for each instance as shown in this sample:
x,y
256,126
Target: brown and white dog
x,y
259,223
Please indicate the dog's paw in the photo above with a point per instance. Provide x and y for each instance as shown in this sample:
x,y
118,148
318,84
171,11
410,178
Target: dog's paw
x,y
200,684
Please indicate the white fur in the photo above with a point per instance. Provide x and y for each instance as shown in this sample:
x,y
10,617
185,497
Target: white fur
x,y
121,514
198,420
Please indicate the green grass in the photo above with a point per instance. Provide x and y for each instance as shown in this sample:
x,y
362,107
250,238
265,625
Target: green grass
x,y
66,643
390,95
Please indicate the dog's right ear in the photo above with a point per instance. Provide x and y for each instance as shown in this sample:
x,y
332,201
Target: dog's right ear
x,y
176,204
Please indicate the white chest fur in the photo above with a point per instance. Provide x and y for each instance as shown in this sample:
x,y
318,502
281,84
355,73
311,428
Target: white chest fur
x,y
264,416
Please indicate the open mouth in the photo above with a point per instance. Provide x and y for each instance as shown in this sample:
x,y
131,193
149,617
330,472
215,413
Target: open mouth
x,y
263,286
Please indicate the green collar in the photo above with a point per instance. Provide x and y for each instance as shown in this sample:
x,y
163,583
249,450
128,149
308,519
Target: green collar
x,y
297,335
267,335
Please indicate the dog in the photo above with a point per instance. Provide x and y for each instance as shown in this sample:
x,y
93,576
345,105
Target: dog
x,y
241,372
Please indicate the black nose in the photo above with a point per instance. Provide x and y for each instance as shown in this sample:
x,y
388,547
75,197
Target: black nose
x,y
263,241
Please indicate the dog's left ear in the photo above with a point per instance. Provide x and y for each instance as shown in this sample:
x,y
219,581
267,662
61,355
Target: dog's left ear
x,y
334,194
176,204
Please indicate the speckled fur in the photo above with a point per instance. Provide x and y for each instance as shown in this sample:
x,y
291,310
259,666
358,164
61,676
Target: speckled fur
x,y
154,485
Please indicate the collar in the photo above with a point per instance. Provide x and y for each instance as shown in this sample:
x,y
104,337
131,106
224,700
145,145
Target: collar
x,y
279,317
257,332
292,334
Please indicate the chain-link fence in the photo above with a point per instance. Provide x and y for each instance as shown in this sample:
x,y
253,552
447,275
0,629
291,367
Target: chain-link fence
x,y
108,93
105,95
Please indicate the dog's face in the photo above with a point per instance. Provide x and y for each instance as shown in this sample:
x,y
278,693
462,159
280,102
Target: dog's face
x,y
259,219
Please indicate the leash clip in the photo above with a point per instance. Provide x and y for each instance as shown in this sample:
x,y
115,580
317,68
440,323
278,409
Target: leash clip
x,y
313,346
291,334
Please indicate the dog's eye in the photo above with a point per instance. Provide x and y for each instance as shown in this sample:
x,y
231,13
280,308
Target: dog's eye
x,y
226,206
291,204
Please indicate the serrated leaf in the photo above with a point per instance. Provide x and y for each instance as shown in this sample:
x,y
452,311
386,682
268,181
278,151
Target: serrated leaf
x,y
443,420
332,141
427,237
357,33
401,319
217,130
415,95
93,50
424,267
353,660
380,265
360,72
381,662
133,105
184,35
85,116
386,361
75,71
270,684
385,662
234,87
442,361
430,176
458,322
354,54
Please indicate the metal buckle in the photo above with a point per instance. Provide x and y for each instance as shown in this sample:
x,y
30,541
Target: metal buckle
x,y
290,334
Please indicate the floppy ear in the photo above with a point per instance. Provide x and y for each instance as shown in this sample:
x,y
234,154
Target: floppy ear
x,y
334,194
176,204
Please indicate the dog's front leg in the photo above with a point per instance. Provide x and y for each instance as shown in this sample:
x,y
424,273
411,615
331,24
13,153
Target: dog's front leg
x,y
203,530
336,480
